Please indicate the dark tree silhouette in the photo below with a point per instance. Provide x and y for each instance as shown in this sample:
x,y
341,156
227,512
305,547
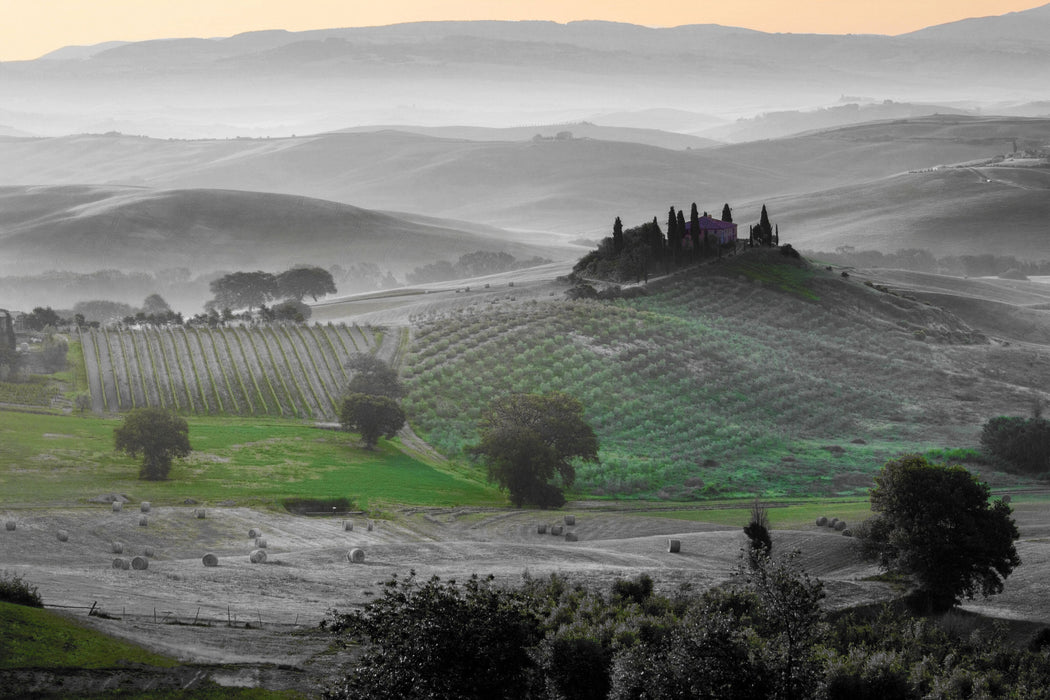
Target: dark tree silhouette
x,y
240,290
694,231
373,416
727,213
373,376
300,282
158,435
617,236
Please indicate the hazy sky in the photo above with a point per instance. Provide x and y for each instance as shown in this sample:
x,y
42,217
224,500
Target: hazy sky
x,y
31,28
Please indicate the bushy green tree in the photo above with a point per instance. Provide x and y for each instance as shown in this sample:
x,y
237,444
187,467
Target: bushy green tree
x,y
243,290
1023,443
440,640
158,435
42,317
301,282
529,439
373,376
936,524
371,415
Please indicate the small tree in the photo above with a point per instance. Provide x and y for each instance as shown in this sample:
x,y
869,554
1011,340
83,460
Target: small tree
x,y
935,523
373,376
372,416
158,435
727,213
757,530
617,236
529,439
300,282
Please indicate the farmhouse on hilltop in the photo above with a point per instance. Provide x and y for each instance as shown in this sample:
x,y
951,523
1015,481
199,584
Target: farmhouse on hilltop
x,y
722,231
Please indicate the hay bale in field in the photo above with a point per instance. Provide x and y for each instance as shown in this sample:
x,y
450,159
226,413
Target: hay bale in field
x,y
147,552
1006,498
833,522
557,530
260,543
10,525
258,556
254,532
674,546
348,525
355,556
121,563
117,547
140,563
822,521
200,513
210,559
847,533
144,506
63,536
117,506
369,526
840,525
570,519
571,537
541,529
143,521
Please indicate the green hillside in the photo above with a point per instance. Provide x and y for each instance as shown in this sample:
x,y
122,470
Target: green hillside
x,y
751,376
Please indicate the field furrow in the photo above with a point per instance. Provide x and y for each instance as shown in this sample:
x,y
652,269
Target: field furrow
x,y
314,370
282,372
165,383
298,372
182,375
324,359
201,359
262,373
229,401
239,369
147,372
337,349
119,366
191,365
94,370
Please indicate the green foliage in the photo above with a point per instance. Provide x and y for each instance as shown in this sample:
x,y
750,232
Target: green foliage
x,y
16,590
440,640
243,290
41,318
300,282
373,376
528,439
373,416
935,523
158,435
1023,443
35,391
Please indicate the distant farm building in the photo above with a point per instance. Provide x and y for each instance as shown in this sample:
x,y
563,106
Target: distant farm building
x,y
722,231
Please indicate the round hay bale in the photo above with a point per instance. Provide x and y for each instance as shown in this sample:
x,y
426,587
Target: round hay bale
x,y
10,525
147,552
570,519
260,543
822,521
258,556
840,525
674,546
117,547
140,563
63,536
254,532
571,537
355,556
200,513
117,506
369,526
847,533
144,506
557,530
541,529
121,563
210,559
143,521
348,525
833,522
1006,498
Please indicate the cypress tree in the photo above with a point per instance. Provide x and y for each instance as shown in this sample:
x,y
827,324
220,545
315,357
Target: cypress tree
x,y
727,213
694,230
681,235
672,231
617,236
766,227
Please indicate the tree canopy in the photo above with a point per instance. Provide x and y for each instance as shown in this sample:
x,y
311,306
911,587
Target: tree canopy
x,y
240,290
373,376
371,415
300,282
1023,443
158,435
935,523
527,440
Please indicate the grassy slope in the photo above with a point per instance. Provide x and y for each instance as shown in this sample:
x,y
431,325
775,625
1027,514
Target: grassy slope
x,y
50,459
733,379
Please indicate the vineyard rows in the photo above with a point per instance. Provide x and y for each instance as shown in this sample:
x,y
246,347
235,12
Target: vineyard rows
x,y
279,370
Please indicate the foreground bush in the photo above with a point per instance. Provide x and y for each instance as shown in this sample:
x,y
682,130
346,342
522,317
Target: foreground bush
x,y
15,589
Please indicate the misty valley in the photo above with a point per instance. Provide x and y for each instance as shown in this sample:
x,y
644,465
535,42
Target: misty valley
x,y
527,360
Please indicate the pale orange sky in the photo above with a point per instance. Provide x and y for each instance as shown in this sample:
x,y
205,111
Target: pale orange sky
x,y
31,28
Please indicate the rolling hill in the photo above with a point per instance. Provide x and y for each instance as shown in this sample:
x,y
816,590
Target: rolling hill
x,y
572,186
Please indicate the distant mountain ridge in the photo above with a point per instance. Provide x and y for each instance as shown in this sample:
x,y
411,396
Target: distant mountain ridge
x,y
507,74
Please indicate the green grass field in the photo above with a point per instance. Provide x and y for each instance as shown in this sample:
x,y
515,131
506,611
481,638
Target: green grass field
x,y
51,459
